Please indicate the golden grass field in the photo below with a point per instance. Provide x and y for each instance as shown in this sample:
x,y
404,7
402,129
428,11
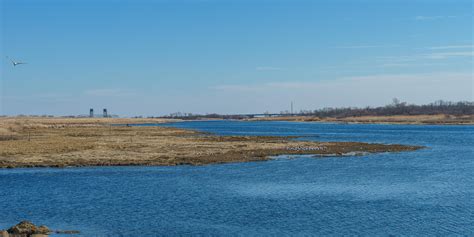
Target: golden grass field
x,y
58,142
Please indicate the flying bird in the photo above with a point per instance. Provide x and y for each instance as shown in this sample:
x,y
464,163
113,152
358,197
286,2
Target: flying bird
x,y
16,63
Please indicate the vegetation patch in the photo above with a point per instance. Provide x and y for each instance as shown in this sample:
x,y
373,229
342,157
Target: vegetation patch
x,y
42,144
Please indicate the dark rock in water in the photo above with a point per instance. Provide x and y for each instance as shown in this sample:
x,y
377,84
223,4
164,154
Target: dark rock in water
x,y
26,229
42,229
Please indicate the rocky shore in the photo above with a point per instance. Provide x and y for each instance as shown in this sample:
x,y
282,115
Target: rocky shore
x,y
28,229
27,142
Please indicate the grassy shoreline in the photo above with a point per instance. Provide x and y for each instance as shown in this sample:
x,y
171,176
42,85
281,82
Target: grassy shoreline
x,y
439,119
49,142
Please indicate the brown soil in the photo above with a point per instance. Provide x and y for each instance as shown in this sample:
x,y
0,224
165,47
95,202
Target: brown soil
x,y
45,142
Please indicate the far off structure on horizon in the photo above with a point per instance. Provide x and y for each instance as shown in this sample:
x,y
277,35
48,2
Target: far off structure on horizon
x,y
290,112
156,58
106,115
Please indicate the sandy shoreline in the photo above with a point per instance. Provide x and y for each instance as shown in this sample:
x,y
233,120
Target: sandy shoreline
x,y
51,142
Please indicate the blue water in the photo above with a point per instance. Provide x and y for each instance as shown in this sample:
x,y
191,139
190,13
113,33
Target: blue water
x,y
426,192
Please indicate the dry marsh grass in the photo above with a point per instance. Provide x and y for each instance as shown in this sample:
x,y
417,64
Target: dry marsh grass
x,y
394,119
92,142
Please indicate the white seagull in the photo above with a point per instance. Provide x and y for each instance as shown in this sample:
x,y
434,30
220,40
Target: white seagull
x,y
16,63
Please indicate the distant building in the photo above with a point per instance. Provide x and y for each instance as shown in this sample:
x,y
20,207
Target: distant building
x,y
91,113
105,113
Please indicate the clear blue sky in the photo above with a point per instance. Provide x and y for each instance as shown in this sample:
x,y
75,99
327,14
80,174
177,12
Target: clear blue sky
x,y
231,56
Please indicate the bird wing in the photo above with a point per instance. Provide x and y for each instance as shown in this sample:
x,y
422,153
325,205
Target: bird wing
x,y
15,63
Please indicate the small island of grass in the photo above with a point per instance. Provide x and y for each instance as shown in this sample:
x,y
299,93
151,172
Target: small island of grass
x,y
74,142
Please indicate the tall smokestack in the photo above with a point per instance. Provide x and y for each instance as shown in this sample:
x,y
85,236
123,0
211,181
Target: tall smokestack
x,y
291,107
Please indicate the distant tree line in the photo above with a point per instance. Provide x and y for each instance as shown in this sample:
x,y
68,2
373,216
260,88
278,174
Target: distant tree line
x,y
395,108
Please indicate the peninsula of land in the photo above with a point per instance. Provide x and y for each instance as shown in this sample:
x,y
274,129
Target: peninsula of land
x,y
74,142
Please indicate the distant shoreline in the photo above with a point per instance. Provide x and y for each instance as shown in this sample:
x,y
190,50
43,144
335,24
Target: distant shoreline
x,y
439,119
48,142
436,119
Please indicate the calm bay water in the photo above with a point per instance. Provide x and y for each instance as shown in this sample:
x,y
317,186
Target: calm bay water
x,y
426,192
